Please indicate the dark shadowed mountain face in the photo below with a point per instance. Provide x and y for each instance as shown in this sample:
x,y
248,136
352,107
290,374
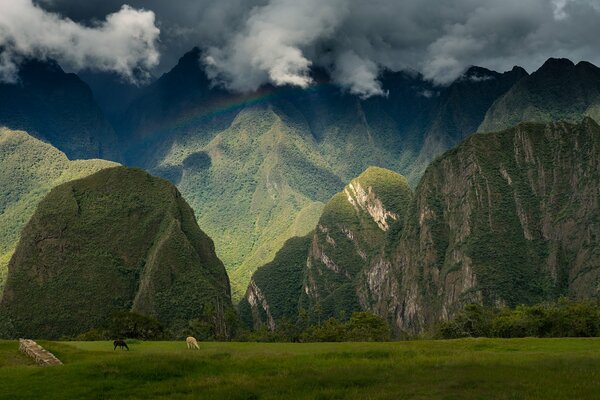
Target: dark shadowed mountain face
x,y
116,240
58,108
282,152
559,90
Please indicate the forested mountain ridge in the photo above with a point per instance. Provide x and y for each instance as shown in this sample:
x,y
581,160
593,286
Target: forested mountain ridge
x,y
505,218
283,152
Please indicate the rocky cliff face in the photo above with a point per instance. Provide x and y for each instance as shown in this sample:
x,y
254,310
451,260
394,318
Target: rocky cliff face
x,y
506,218
352,231
274,291
117,240
325,272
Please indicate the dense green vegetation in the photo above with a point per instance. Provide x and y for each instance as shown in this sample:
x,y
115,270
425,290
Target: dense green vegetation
x,y
564,318
505,218
29,168
352,232
281,282
117,240
465,369
330,263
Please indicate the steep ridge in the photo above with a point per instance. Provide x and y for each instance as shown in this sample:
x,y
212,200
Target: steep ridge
x,y
274,291
117,240
558,91
459,110
505,218
352,231
29,168
58,108
328,267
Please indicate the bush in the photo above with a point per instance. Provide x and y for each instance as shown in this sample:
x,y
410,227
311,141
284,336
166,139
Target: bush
x,y
331,330
473,320
7,330
362,327
563,318
367,327
124,324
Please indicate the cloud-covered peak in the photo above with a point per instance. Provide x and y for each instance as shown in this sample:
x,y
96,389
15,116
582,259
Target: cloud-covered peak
x,y
124,42
247,43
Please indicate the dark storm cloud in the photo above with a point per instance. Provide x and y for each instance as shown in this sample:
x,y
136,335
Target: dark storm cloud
x,y
248,43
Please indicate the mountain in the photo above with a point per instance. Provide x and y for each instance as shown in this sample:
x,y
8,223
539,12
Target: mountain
x,y
58,108
29,168
351,233
459,110
116,240
257,168
327,268
505,218
558,91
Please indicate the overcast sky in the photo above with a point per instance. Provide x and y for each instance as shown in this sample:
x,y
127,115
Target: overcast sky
x,y
249,43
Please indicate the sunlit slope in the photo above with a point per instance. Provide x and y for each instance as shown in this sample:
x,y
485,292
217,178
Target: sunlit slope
x,y
29,168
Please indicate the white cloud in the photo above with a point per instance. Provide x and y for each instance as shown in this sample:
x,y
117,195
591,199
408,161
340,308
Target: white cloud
x,y
252,42
271,44
125,42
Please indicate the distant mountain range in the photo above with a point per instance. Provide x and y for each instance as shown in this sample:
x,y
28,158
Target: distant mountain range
x,y
58,108
261,172
280,153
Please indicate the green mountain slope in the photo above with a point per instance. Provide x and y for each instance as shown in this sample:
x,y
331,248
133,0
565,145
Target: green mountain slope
x,y
274,291
118,239
351,233
29,168
558,91
327,268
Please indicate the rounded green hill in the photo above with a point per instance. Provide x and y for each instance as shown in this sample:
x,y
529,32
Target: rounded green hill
x,y
120,239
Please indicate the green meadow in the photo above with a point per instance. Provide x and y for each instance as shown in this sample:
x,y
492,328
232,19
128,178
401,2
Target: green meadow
x,y
445,369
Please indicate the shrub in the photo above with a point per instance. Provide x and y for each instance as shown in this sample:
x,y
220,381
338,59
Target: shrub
x,y
563,318
367,327
124,324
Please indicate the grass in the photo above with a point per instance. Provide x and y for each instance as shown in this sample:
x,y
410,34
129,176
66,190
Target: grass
x,y
457,369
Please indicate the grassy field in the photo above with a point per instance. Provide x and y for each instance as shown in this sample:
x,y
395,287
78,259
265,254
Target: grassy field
x,y
458,369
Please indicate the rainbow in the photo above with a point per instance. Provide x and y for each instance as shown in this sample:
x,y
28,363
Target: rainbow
x,y
228,106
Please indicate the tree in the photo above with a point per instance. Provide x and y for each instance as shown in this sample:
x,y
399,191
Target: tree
x,y
367,327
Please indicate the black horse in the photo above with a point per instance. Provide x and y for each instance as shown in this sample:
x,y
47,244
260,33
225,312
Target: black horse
x,y
120,343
